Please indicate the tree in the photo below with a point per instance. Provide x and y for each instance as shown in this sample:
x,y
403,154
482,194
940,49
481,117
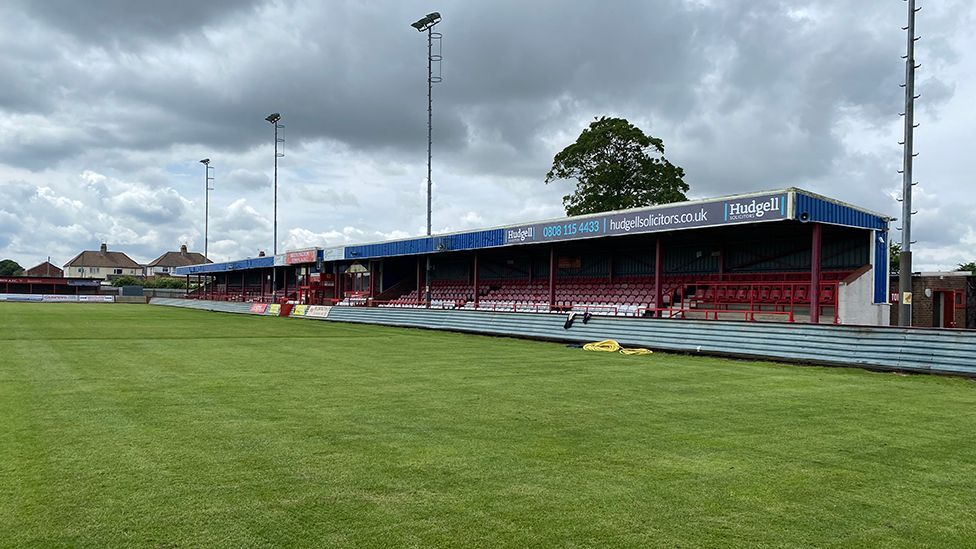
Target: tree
x,y
126,280
971,267
617,166
894,257
9,267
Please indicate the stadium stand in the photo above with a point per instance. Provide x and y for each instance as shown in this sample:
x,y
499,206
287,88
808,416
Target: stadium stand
x,y
784,255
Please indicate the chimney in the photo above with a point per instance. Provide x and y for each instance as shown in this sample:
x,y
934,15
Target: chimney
x,y
183,249
104,248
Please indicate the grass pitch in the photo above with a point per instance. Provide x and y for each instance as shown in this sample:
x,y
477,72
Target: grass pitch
x,y
126,425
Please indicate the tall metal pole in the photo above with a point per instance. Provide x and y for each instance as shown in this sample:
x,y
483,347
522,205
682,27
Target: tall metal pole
x,y
274,118
427,24
206,215
430,116
430,142
276,187
905,261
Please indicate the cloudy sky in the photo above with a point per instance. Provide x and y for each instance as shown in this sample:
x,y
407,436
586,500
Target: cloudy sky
x,y
106,106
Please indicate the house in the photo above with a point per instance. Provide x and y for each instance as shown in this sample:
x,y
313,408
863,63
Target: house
x,y
45,270
164,264
101,264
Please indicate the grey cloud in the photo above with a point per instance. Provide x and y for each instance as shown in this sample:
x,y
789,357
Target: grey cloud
x,y
246,179
121,21
746,95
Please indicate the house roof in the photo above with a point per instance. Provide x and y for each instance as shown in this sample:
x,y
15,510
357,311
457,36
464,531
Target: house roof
x,y
179,259
102,258
44,269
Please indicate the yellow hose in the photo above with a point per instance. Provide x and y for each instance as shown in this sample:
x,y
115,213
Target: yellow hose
x,y
611,346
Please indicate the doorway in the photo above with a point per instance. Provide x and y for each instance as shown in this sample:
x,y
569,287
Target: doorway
x,y
944,309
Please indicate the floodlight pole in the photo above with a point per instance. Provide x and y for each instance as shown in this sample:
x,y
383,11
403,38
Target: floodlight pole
x,y
430,116
427,24
905,260
273,119
208,169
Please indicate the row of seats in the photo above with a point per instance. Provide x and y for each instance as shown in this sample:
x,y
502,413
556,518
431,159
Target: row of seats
x,y
625,296
763,293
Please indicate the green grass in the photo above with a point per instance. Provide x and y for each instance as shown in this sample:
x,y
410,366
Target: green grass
x,y
126,425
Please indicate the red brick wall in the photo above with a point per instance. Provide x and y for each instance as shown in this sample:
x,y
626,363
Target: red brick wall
x,y
923,306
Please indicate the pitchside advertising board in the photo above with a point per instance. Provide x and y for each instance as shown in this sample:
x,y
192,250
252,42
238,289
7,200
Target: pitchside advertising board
x,y
754,209
37,298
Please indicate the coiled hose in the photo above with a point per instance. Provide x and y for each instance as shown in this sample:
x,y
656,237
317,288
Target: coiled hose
x,y
611,346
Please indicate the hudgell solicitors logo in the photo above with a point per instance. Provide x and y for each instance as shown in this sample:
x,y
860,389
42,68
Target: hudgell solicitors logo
x,y
521,234
754,209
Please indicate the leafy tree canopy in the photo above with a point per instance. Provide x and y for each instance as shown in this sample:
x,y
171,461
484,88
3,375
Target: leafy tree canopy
x,y
894,258
127,281
971,267
617,166
9,267
152,282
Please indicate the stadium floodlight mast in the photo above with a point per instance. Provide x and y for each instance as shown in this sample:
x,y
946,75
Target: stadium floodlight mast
x,y
273,119
908,154
426,24
208,181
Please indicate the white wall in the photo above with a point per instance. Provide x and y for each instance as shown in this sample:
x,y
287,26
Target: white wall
x,y
856,299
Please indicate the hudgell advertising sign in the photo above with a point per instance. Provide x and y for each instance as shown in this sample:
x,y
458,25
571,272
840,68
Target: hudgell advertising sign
x,y
751,209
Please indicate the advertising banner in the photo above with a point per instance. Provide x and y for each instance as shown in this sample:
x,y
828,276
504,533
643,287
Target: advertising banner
x,y
753,209
274,309
59,298
318,311
299,310
51,298
97,298
332,254
301,256
31,280
258,308
20,297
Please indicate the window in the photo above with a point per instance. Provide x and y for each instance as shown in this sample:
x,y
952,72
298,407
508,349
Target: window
x,y
117,271
94,269
81,269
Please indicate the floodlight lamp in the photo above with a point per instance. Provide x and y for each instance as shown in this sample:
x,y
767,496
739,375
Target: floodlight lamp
x,y
427,22
273,117
205,161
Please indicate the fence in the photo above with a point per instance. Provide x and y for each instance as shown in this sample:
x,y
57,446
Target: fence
x,y
914,349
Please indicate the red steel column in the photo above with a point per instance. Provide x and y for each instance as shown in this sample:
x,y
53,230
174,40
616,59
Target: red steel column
x,y
721,263
815,273
286,269
372,279
420,287
477,281
552,276
335,282
658,275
